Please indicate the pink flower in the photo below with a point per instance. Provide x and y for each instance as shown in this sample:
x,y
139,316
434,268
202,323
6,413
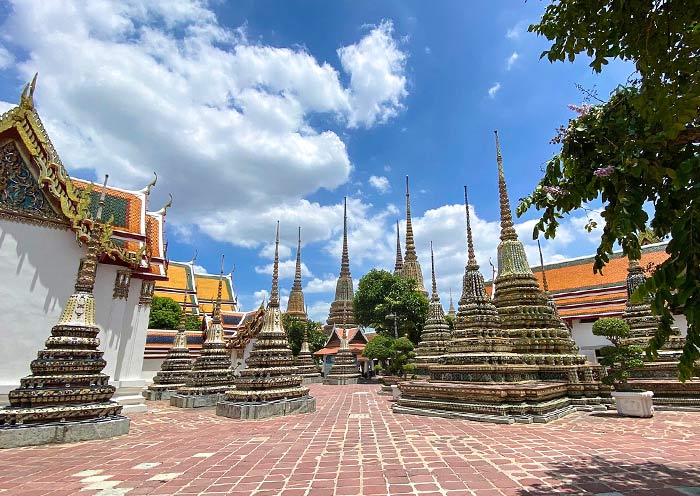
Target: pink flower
x,y
582,110
604,171
555,190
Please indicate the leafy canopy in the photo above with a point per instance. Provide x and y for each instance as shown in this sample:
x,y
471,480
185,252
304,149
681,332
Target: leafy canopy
x,y
165,314
637,149
295,333
619,359
380,294
393,354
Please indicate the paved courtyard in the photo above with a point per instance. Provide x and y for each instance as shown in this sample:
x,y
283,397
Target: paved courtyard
x,y
355,445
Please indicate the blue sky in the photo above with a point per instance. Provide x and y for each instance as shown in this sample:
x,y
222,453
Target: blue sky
x,y
253,111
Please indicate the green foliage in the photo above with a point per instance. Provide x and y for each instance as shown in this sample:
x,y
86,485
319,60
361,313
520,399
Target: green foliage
x,y
295,333
640,147
381,293
379,348
393,354
619,359
193,322
402,352
165,313
450,322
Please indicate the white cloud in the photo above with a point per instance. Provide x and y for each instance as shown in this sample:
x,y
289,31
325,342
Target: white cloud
x,y
380,183
286,269
511,60
318,311
494,89
6,58
164,86
377,76
427,50
268,251
325,285
261,295
517,31
198,269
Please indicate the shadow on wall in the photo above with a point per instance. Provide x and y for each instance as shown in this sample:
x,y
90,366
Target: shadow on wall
x,y
599,475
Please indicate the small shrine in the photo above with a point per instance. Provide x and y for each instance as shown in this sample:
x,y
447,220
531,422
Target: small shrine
x,y
175,368
344,369
211,374
67,398
270,385
305,363
436,331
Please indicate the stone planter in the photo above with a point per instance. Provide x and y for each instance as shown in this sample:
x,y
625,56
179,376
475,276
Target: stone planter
x,y
634,403
395,392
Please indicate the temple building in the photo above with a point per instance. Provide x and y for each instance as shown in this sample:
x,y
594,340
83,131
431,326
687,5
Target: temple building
x,y
341,314
356,342
510,359
295,305
411,267
269,385
43,212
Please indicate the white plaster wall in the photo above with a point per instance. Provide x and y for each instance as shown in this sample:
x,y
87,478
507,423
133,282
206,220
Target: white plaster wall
x,y
38,266
151,366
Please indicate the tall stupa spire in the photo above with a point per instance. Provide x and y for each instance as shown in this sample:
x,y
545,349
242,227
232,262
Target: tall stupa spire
x,y
275,293
411,267
451,311
435,296
545,287
507,229
471,258
295,304
216,312
341,313
399,258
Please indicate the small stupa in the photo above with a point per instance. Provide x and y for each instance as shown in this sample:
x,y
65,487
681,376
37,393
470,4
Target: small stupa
x,y
67,398
305,363
295,305
398,264
176,366
411,267
341,313
436,331
660,375
211,374
344,369
451,312
270,384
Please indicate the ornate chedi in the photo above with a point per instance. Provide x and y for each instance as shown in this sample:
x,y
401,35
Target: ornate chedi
x,y
398,265
545,289
451,312
660,375
176,366
436,331
295,304
509,360
341,313
67,397
305,363
411,267
270,384
344,369
211,374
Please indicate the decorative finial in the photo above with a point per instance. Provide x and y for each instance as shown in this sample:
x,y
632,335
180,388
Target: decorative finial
x,y
345,259
507,229
399,258
216,314
165,208
432,268
101,203
410,243
147,190
471,258
274,294
194,259
27,98
544,275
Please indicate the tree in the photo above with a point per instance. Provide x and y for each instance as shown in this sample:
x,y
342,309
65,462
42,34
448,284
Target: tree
x,y
165,313
620,359
379,348
638,148
295,333
393,354
380,294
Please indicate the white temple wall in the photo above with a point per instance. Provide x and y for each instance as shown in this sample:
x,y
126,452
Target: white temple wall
x,y
151,366
38,266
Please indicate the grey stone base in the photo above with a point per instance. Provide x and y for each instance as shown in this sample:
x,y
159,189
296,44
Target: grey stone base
x,y
158,395
313,380
340,381
252,411
63,432
196,400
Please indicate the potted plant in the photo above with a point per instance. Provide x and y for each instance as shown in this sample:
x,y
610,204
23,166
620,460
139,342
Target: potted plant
x,y
619,360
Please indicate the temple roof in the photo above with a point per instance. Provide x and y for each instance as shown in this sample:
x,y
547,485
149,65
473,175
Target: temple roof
x,y
137,238
201,287
356,338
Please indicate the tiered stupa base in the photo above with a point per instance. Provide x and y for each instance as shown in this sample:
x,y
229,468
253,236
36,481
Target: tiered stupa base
x,y
172,375
344,371
266,409
211,376
306,367
160,393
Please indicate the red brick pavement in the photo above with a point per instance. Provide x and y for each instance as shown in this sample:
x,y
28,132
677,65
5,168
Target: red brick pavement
x,y
355,445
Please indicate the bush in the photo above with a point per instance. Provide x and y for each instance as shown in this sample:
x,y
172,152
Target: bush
x,y
619,359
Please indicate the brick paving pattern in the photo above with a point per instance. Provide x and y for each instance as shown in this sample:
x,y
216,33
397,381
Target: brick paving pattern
x,y
355,445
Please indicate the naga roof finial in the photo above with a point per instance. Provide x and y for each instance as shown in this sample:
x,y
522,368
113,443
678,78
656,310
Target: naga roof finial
x,y
147,190
165,207
101,202
471,260
26,100
274,294
507,229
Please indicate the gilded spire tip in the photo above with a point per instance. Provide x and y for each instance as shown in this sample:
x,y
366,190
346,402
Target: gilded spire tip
x,y
507,229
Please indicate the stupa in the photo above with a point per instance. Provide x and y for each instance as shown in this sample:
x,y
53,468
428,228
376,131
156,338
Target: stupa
x,y
660,375
295,304
305,363
211,374
548,295
270,384
67,398
436,331
341,313
344,369
451,312
411,267
509,361
176,366
398,265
